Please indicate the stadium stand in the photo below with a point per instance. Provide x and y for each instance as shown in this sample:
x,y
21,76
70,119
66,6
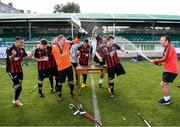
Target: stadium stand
x,y
148,37
34,27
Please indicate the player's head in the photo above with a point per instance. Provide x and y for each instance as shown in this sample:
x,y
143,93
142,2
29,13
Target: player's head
x,y
104,42
69,38
99,39
105,37
54,41
85,43
61,39
19,41
110,40
43,44
165,40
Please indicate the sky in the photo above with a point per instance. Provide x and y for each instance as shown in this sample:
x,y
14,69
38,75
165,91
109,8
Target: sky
x,y
165,7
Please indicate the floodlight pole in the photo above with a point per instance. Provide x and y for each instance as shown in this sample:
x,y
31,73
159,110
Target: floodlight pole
x,y
29,30
72,31
153,29
114,25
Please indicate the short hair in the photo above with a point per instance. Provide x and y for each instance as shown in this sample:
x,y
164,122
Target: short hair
x,y
69,38
105,36
98,38
18,38
86,40
110,37
167,38
60,36
43,42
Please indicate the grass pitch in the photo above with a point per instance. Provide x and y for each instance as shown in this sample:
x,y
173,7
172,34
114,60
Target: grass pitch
x,y
137,91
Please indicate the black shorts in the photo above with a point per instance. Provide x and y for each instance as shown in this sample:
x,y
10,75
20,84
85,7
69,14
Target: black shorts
x,y
43,74
118,70
15,77
97,60
168,77
68,72
74,64
53,71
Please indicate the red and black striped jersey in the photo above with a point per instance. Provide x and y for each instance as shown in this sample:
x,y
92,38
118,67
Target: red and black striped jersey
x,y
99,48
85,54
40,54
14,66
51,62
98,45
110,54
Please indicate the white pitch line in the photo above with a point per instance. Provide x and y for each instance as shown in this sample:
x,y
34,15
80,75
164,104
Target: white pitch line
x,y
95,102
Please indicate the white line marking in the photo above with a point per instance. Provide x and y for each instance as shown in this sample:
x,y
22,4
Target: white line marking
x,y
95,103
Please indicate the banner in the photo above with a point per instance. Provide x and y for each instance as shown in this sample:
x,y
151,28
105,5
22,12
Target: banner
x,y
145,47
27,47
3,52
149,47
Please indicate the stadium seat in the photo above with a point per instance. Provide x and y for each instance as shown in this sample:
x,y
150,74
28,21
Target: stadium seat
x,y
146,37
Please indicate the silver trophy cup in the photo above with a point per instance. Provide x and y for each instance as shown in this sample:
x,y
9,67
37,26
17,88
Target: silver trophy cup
x,y
77,23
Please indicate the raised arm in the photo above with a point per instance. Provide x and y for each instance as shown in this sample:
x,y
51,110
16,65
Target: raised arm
x,y
97,53
77,39
120,49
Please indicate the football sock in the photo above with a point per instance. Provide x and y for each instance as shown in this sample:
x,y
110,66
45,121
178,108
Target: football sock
x,y
40,88
18,89
84,78
111,86
71,86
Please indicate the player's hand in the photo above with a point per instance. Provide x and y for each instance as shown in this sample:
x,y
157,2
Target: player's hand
x,y
14,52
45,58
81,30
100,59
152,61
156,63
32,51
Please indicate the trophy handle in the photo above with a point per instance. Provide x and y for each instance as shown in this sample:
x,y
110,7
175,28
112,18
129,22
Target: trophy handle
x,y
77,23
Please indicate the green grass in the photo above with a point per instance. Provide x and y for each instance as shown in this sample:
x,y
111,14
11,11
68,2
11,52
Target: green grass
x,y
137,91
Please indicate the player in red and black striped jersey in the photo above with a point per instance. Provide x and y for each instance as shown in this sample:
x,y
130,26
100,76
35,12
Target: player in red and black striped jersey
x,y
100,43
85,52
42,56
15,56
52,67
114,66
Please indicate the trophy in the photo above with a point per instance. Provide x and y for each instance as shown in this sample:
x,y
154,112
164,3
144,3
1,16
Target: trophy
x,y
77,23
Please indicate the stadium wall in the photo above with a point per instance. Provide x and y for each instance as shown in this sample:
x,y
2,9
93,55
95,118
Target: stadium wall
x,y
151,49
